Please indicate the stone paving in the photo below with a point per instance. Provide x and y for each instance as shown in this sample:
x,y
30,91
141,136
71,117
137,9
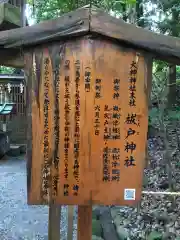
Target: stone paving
x,y
18,221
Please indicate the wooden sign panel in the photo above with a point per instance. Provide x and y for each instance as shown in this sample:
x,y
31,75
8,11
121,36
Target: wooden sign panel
x,y
88,119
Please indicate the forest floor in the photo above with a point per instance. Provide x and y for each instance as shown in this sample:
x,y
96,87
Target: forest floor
x,y
18,221
158,216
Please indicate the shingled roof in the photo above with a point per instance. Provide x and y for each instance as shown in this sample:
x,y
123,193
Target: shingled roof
x,y
88,20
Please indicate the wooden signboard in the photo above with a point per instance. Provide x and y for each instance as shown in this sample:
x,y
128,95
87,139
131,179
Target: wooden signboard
x,y
88,120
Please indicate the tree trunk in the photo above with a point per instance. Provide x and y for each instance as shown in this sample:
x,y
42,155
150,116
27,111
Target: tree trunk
x,y
23,14
140,13
124,10
172,86
172,68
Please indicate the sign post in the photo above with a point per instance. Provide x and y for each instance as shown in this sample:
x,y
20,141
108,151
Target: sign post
x,y
89,120
89,126
70,222
84,223
54,222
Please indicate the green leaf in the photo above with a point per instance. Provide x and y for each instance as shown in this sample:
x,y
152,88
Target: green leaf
x,y
155,236
96,227
173,115
130,2
6,70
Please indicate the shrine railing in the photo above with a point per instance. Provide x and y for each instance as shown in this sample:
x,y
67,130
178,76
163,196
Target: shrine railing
x,y
16,122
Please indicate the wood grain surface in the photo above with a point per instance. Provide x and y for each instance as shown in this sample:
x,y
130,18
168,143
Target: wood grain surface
x,y
88,120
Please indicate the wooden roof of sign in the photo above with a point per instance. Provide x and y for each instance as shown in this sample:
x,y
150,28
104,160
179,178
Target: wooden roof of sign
x,y
92,20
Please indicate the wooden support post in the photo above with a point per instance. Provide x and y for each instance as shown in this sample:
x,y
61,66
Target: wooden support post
x,y
70,222
84,223
4,126
54,222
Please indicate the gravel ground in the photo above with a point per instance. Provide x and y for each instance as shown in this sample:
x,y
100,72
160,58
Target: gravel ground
x,y
18,221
